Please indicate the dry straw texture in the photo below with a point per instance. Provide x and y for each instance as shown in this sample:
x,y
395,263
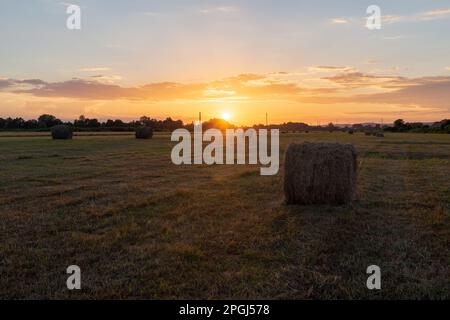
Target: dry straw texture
x,y
144,133
320,173
62,132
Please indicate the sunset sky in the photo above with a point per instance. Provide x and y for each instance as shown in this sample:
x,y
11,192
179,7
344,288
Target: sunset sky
x,y
309,61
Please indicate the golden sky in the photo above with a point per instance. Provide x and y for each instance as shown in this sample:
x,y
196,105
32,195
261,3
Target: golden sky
x,y
320,94
306,61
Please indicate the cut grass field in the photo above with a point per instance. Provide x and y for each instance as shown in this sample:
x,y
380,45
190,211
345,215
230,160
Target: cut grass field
x,y
140,227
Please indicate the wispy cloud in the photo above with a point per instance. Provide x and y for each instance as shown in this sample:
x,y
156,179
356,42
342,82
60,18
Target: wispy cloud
x,y
96,88
345,86
430,15
107,78
427,92
340,21
222,9
393,18
437,14
94,69
331,69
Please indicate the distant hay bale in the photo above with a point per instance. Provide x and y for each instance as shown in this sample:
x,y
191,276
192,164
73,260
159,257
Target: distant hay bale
x,y
61,132
350,132
379,134
144,133
320,173
368,133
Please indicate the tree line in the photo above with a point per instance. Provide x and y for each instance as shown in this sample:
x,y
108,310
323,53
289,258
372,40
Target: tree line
x,y
400,125
46,121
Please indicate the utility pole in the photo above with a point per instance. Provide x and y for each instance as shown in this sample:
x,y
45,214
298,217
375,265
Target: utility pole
x,y
267,120
200,117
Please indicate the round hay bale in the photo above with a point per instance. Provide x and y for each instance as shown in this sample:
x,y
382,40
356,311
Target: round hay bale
x,y
61,132
379,134
368,133
320,173
144,133
350,132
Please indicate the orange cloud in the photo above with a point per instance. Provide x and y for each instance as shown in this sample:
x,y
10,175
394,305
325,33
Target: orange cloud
x,y
345,86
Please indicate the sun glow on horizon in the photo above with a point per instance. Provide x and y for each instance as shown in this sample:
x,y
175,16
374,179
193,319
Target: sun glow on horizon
x,y
226,116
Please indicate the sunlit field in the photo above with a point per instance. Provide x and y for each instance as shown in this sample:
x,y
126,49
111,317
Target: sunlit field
x,y
140,227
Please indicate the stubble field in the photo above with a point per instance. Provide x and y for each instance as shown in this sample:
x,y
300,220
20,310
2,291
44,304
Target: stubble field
x,y
141,227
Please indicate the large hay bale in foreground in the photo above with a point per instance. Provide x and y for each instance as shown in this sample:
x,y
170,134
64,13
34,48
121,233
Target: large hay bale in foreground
x,y
144,133
320,173
61,132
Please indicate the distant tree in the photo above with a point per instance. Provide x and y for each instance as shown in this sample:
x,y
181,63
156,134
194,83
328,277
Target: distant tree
x,y
31,124
118,123
444,123
48,121
16,123
10,123
171,125
330,127
399,125
109,123
144,119
80,122
92,123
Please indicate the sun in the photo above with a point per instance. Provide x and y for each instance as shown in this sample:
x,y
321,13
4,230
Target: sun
x,y
226,116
